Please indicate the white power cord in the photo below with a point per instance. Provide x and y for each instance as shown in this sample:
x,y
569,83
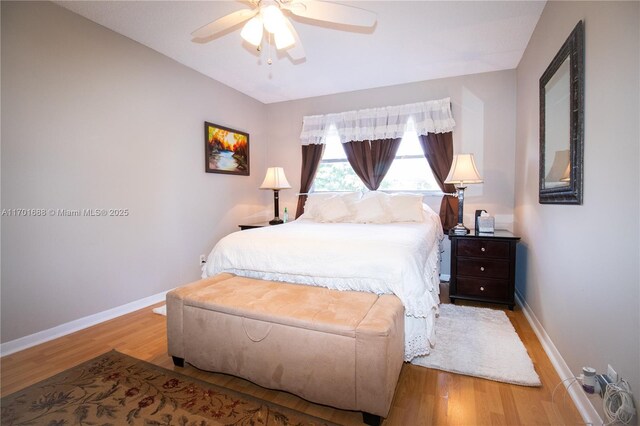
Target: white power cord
x,y
618,403
574,380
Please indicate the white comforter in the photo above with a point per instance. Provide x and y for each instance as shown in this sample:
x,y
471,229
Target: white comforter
x,y
399,258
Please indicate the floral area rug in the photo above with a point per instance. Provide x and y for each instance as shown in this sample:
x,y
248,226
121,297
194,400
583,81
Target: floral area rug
x,y
115,389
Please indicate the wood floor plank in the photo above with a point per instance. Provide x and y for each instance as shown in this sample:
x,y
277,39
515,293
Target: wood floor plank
x,y
423,396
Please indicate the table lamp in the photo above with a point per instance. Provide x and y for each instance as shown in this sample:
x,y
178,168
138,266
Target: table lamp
x,y
276,180
463,171
566,176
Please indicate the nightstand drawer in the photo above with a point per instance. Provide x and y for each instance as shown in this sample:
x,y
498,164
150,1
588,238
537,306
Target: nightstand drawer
x,y
483,268
483,248
486,288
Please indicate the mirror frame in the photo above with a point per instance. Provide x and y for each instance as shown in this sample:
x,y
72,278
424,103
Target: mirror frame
x,y
572,48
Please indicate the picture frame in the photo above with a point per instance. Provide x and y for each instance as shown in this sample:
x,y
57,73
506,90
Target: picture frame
x,y
226,150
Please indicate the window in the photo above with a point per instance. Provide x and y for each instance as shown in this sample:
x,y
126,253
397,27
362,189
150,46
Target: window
x,y
409,171
334,172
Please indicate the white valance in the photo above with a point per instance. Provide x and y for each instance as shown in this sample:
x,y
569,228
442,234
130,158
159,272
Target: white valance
x,y
379,123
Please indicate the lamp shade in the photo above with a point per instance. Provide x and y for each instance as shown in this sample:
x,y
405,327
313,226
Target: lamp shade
x,y
463,170
558,169
566,176
253,30
274,20
275,179
283,38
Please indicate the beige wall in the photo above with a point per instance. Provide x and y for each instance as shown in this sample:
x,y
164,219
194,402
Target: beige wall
x,y
91,119
483,106
579,264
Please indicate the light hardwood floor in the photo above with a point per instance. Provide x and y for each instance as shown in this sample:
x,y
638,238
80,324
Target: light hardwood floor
x,y
423,396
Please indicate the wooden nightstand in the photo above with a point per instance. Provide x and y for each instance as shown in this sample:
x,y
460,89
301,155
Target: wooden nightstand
x,y
483,267
254,225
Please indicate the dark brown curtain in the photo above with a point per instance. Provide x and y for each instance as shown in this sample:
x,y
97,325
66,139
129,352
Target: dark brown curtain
x,y
438,149
371,159
311,156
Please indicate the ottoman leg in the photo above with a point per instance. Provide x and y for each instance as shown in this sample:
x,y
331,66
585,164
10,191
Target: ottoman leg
x,y
177,361
371,419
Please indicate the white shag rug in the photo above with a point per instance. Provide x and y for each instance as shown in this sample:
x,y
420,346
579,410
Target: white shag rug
x,y
479,342
160,310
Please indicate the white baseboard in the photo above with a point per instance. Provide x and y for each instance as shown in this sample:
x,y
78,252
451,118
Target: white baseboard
x,y
589,414
70,327
445,277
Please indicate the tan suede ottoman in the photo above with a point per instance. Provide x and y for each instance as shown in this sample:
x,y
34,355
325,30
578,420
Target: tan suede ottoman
x,y
338,348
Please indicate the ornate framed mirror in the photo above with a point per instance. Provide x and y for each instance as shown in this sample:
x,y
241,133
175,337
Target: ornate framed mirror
x,y
562,123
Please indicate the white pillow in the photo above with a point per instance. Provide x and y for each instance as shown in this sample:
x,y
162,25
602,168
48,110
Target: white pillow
x,y
370,210
377,194
429,211
405,207
313,203
316,200
333,210
350,197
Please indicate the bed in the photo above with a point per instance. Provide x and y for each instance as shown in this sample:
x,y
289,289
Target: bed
x,y
396,257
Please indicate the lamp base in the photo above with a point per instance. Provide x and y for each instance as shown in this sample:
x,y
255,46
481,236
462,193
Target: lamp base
x,y
459,229
276,221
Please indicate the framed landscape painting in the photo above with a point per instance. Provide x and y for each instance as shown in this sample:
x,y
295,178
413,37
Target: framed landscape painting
x,y
225,150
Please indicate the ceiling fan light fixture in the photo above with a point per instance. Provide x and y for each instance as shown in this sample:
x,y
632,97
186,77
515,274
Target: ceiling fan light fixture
x,y
284,39
267,15
274,20
252,31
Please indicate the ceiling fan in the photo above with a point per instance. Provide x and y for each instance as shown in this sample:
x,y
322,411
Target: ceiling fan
x,y
267,16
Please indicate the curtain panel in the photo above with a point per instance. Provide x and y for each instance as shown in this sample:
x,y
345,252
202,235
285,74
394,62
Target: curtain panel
x,y
371,160
379,123
311,156
438,150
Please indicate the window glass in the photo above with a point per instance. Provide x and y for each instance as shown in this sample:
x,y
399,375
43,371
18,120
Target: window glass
x,y
409,171
334,172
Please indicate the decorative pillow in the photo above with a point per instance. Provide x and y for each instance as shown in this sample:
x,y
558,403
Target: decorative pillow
x,y
429,211
350,197
333,210
314,202
370,210
406,207
376,194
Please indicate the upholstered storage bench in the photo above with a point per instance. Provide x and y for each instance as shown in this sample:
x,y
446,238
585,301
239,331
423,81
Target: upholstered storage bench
x,y
339,348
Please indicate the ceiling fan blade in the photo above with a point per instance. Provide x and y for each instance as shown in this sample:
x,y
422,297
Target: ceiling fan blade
x,y
331,12
209,31
296,51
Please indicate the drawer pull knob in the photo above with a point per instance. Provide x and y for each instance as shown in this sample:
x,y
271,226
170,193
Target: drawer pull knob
x,y
481,288
483,249
482,268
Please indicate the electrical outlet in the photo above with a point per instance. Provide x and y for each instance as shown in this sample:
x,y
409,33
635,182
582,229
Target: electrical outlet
x,y
203,259
612,374
603,381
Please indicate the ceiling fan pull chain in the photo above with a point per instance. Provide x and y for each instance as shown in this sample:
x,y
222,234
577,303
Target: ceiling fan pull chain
x,y
269,61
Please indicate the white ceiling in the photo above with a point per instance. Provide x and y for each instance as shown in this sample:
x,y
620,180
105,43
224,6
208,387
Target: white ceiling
x,y
412,41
